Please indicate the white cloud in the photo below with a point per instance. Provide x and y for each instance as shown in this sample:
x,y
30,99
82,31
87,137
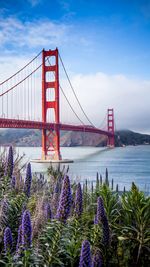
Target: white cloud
x,y
128,97
14,32
10,64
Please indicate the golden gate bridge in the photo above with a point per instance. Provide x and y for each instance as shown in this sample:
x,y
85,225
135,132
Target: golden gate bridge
x,y
33,98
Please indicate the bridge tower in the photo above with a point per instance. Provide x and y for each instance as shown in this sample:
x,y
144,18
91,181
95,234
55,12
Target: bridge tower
x,y
110,124
50,138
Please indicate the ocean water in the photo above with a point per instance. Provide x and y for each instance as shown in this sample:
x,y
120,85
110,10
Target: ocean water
x,y
125,164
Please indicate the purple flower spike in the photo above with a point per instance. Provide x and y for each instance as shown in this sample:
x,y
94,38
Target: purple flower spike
x,y
56,188
64,206
28,180
13,182
100,210
85,255
101,217
47,211
19,239
7,240
106,232
26,230
95,219
97,259
4,211
5,206
10,163
78,201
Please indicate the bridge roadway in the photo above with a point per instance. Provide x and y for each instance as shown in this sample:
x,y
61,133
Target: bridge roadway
x,y
26,124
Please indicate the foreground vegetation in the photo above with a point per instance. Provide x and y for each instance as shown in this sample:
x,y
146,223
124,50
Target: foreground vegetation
x,y
55,223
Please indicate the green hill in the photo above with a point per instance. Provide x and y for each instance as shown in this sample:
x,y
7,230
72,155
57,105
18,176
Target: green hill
x,y
126,137
24,137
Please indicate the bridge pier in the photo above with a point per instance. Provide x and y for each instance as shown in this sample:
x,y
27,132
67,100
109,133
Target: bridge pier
x,y
111,142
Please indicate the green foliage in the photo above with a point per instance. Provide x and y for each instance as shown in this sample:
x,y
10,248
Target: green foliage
x,y
111,203
135,223
50,244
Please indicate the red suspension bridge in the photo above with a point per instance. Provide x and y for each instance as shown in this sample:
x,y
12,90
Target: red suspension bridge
x,y
34,99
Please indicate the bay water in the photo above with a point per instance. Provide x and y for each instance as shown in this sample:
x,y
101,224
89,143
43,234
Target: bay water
x,y
125,164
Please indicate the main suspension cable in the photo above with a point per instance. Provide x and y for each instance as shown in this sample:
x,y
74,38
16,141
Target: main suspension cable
x,y
21,68
74,91
67,98
10,89
102,123
70,105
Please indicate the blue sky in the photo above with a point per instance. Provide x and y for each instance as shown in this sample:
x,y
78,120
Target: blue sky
x,y
109,37
113,36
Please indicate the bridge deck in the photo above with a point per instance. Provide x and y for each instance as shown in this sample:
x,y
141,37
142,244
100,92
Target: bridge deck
x,y
13,123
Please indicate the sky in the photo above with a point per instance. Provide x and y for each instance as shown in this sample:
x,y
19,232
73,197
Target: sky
x,y
105,46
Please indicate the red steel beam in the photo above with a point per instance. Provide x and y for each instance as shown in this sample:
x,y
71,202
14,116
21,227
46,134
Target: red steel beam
x,y
9,123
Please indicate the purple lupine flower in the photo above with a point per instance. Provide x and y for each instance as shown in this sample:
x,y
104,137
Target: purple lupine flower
x,y
117,188
19,239
8,240
13,182
102,217
47,211
106,173
56,195
56,187
85,255
101,180
97,182
26,230
10,162
78,202
106,232
95,219
55,202
4,205
112,184
4,211
58,184
65,201
106,177
100,210
67,169
92,188
28,180
97,259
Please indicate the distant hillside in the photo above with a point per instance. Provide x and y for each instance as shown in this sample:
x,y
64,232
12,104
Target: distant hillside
x,y
20,137
33,138
126,137
25,137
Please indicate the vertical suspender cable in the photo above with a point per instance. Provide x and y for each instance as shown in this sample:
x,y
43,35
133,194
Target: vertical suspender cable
x,y
2,103
30,96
